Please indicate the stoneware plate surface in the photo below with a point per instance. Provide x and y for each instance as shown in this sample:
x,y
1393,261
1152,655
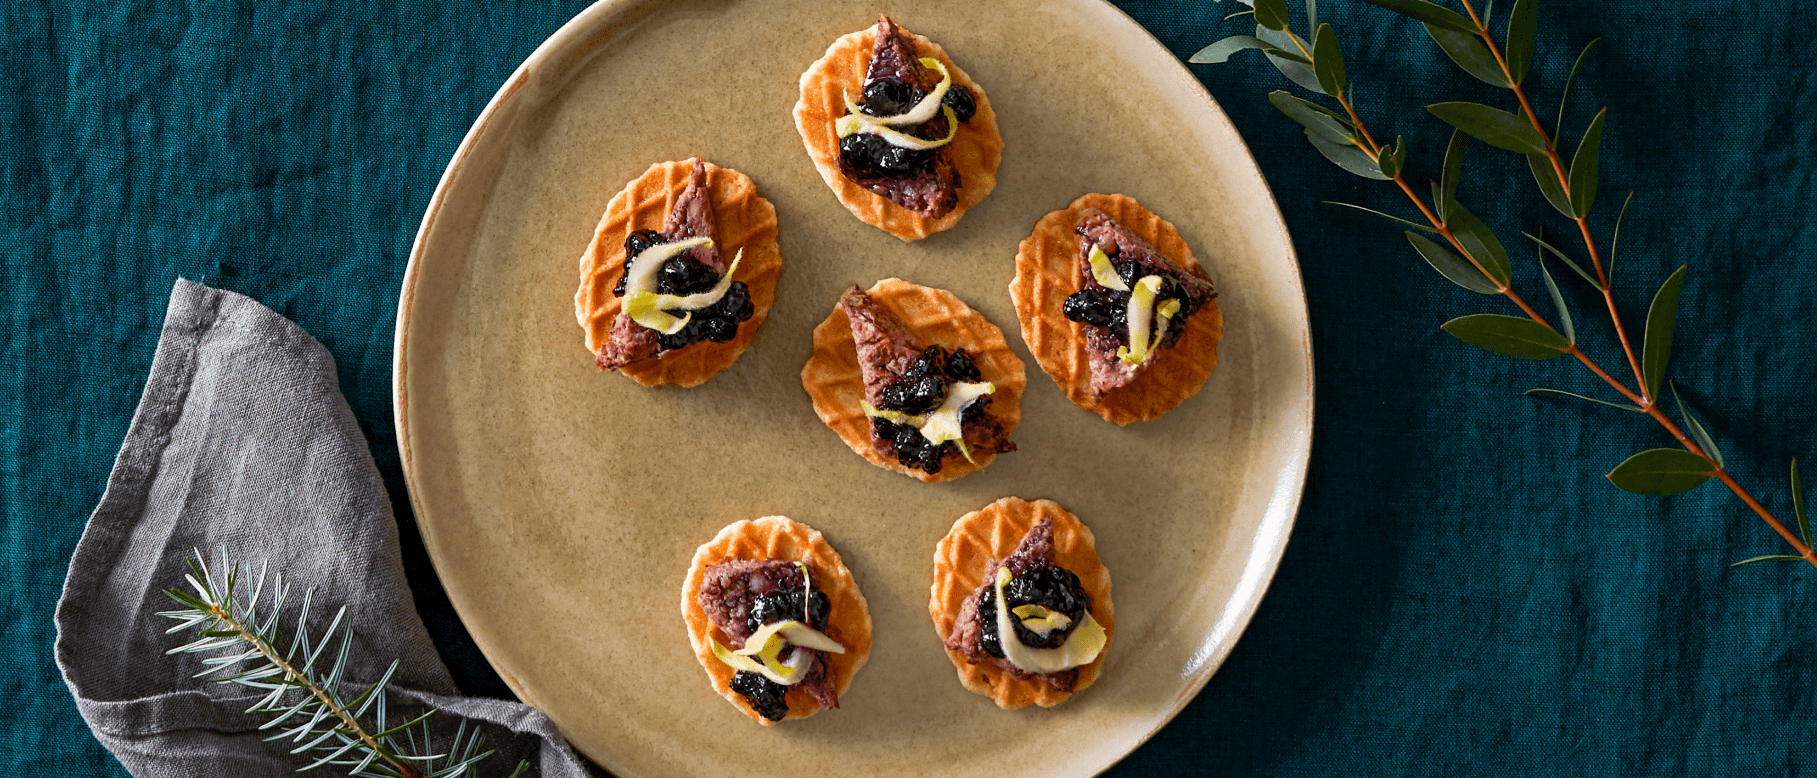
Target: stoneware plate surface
x,y
561,505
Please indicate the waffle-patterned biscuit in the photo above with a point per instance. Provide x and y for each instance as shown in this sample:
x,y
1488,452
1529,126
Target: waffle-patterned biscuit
x,y
746,221
984,536
976,150
776,537
1047,270
832,378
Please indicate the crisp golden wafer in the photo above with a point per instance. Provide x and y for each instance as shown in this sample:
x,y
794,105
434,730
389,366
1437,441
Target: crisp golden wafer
x,y
975,152
990,534
1047,271
776,537
936,316
746,221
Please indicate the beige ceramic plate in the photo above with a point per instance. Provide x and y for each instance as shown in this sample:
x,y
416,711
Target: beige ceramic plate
x,y
561,505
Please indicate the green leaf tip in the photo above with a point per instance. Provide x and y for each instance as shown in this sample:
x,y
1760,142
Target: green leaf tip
x,y
1698,433
1429,13
1271,14
1219,53
1662,472
1523,26
1493,126
1509,336
1327,60
1469,52
1451,266
1347,156
1662,318
1583,167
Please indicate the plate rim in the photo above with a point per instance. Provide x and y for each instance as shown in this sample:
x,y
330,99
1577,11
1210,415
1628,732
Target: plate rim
x,y
1260,565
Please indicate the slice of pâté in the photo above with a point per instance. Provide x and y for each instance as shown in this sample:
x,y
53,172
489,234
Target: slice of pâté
x,y
741,562
896,320
935,196
1014,532
678,200
1051,265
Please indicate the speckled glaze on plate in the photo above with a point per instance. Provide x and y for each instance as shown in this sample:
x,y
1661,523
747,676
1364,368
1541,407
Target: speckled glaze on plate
x,y
561,505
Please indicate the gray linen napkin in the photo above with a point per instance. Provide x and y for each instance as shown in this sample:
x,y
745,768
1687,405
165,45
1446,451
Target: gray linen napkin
x,y
242,441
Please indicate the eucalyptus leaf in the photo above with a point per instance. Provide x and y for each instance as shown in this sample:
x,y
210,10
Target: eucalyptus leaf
x,y
1547,177
1523,25
1327,60
1347,156
1559,126
1698,433
1615,243
1388,216
1286,57
1481,243
1428,13
1451,266
1271,14
1804,522
1661,472
1391,158
1314,117
1662,317
1454,169
1623,406
1218,53
1290,56
1509,336
1770,558
1562,258
1583,167
1468,51
1564,313
1312,14
1493,126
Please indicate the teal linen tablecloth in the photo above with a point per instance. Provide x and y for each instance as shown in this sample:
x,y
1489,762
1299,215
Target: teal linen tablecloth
x,y
1464,593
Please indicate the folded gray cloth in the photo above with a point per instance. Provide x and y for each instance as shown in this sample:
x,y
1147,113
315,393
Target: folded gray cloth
x,y
243,442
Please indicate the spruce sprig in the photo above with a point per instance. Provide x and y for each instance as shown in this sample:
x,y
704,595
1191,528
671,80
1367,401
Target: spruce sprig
x,y
305,683
1470,255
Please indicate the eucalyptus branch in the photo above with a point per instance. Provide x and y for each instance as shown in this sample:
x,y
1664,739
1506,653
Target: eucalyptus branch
x,y
1475,259
312,700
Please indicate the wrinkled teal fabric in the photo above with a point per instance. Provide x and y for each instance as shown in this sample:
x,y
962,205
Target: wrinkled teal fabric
x,y
1464,593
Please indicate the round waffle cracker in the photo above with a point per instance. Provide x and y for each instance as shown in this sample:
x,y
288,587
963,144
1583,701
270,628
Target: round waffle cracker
x,y
745,220
976,150
992,533
936,316
777,537
1047,271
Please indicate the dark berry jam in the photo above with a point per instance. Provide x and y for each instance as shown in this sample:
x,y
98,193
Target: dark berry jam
x,y
922,389
1099,307
868,155
961,101
717,322
767,697
1051,587
635,244
1103,307
785,604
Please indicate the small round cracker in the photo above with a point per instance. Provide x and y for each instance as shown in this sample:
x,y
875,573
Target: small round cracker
x,y
936,316
976,150
990,534
776,537
745,220
1047,271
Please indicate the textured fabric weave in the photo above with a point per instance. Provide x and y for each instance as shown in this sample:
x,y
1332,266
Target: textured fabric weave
x,y
241,444
1464,593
